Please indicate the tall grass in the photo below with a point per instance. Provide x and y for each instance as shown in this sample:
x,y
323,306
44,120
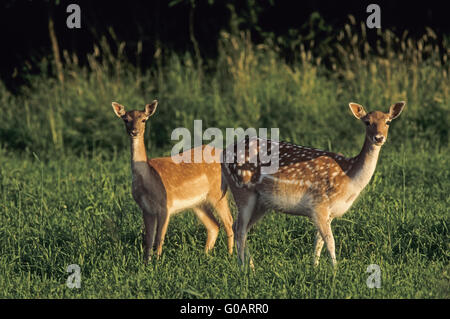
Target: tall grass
x,y
248,85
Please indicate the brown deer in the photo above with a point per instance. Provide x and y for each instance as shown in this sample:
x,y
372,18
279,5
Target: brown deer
x,y
309,182
162,187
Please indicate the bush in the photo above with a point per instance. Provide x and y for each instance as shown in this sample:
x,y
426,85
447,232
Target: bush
x,y
248,85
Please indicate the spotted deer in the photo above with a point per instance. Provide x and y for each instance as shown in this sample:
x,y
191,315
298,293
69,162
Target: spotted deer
x,y
162,187
309,182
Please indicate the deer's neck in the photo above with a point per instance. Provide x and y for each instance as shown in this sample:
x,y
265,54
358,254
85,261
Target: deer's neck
x,y
364,165
138,152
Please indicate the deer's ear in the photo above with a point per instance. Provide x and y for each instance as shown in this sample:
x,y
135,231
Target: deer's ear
x,y
357,110
151,108
396,109
118,109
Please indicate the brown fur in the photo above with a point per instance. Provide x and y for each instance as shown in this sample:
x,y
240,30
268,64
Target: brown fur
x,y
162,187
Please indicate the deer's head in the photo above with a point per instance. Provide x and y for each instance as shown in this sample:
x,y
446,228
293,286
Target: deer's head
x,y
377,122
135,120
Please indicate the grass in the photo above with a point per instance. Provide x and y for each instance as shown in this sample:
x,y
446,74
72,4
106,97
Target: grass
x,y
65,185
79,210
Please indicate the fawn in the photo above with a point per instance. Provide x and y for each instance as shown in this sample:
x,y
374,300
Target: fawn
x,y
162,187
309,182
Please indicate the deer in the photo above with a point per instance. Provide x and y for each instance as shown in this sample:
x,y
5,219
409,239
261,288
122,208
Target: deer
x,y
320,185
162,187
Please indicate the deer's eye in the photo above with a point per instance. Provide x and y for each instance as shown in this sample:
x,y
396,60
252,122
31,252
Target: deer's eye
x,y
388,122
367,123
143,121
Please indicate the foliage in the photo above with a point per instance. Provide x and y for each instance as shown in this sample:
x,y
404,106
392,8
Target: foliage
x,y
65,180
248,85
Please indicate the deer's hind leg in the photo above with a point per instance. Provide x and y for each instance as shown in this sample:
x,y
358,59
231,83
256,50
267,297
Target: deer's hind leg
x,y
223,210
206,216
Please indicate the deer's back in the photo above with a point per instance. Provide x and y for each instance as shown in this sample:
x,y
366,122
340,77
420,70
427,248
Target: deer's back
x,y
188,184
305,178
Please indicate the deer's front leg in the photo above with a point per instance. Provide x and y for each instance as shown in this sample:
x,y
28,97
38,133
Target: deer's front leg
x,y
318,245
163,222
246,208
150,223
323,224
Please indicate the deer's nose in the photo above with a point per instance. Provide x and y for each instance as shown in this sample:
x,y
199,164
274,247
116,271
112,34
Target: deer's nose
x,y
379,138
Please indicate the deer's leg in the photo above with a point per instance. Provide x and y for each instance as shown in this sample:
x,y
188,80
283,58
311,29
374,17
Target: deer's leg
x,y
318,244
223,210
150,222
258,212
246,207
212,226
323,223
161,229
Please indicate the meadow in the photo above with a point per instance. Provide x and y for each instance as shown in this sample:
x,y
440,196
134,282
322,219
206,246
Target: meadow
x,y
65,183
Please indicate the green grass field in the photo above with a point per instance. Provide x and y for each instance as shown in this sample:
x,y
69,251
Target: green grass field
x,y
65,183
80,211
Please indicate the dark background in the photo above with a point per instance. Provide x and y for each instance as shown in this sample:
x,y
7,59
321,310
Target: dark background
x,y
166,25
